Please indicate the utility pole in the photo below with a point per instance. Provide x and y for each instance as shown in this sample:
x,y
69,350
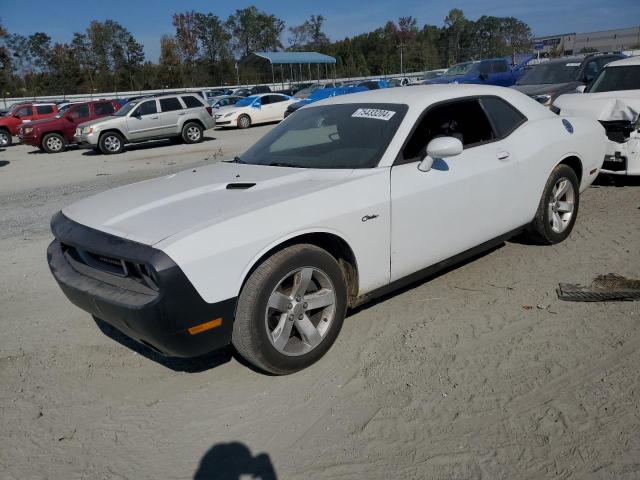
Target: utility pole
x,y
401,47
237,74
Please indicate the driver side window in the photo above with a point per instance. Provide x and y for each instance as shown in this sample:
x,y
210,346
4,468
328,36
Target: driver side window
x,y
24,112
463,119
147,108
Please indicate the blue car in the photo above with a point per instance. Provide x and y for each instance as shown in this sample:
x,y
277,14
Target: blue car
x,y
323,93
492,71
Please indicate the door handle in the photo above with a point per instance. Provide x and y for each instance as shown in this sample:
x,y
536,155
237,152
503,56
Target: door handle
x,y
181,114
503,155
154,118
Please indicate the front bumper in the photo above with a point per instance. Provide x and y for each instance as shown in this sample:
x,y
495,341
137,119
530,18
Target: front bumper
x,y
29,139
159,310
86,139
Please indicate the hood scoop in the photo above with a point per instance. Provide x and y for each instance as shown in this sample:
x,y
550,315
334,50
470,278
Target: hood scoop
x,y
240,186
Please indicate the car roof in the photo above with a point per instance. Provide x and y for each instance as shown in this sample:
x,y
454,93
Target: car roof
x,y
422,96
624,62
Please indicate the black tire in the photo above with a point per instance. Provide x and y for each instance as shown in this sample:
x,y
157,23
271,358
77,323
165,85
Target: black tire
x,y
192,132
5,138
54,143
250,336
111,143
244,121
541,230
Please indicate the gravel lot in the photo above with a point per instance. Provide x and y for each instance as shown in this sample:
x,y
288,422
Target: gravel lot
x,y
479,372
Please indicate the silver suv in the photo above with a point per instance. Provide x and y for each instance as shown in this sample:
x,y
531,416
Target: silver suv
x,y
180,116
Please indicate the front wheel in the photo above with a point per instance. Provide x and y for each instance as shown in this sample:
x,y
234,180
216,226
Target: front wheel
x,y
558,207
53,143
290,310
111,143
5,138
244,121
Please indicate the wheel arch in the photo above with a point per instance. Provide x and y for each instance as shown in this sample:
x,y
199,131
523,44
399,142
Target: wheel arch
x,y
113,130
192,120
336,245
574,162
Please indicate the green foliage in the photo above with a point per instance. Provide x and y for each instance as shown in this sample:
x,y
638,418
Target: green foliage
x,y
205,49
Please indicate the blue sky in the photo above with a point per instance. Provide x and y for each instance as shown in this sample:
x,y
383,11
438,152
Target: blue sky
x,y
148,20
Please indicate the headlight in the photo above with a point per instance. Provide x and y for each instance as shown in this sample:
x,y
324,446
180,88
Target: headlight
x,y
27,130
87,130
543,99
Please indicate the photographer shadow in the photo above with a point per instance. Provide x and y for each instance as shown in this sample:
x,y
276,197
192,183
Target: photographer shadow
x,y
233,461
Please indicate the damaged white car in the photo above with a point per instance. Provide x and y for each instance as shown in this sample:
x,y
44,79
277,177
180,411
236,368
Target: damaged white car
x,y
614,100
347,199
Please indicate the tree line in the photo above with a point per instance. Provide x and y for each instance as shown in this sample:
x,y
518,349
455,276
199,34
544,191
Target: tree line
x,y
208,50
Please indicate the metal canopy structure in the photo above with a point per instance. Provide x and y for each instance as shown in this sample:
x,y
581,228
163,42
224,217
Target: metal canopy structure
x,y
288,58
299,58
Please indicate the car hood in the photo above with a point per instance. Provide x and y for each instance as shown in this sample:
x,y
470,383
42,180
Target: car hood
x,y
153,210
605,106
97,121
543,89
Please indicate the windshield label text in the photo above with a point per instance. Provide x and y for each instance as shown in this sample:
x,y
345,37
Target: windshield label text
x,y
374,113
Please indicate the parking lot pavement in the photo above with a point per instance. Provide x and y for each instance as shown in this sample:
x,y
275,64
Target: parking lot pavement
x,y
479,372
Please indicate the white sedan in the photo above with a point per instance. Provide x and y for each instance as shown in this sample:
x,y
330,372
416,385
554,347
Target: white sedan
x,y
347,199
263,108
613,98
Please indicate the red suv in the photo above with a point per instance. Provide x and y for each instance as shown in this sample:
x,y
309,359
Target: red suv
x,y
54,134
23,113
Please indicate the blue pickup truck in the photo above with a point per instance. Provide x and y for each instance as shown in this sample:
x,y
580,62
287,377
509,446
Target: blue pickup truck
x,y
492,71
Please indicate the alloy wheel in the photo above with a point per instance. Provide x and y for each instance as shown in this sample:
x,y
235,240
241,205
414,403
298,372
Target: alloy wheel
x,y
54,144
4,139
193,133
112,143
300,311
561,205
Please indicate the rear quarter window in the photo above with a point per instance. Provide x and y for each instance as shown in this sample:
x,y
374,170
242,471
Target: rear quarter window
x,y
191,102
170,104
44,109
504,117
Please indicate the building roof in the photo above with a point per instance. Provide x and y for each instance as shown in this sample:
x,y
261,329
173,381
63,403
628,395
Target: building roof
x,y
286,58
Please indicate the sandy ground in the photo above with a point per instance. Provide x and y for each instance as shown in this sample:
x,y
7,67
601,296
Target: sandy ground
x,y
477,373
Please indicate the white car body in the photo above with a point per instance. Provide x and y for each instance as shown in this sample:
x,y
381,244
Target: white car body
x,y
417,219
258,113
611,106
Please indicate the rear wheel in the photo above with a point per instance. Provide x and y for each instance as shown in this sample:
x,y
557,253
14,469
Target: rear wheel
x,y
53,143
5,138
290,310
244,121
192,133
111,143
558,207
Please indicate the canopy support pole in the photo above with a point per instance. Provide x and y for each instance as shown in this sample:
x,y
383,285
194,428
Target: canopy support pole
x,y
282,76
273,76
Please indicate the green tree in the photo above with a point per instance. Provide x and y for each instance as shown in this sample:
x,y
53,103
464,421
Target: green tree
x,y
253,30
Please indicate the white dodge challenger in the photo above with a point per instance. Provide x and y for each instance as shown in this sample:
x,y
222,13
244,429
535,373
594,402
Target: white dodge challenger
x,y
343,201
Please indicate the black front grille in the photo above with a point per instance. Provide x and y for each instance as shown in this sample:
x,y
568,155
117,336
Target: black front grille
x,y
124,273
618,130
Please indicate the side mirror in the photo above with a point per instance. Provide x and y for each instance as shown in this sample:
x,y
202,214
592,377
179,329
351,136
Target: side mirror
x,y
581,89
16,116
136,114
441,147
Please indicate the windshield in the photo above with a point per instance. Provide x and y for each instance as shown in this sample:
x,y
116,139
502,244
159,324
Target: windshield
x,y
127,108
245,102
613,79
353,135
551,72
63,110
460,69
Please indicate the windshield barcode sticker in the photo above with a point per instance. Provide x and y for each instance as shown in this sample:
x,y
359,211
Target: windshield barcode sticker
x,y
573,64
373,113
